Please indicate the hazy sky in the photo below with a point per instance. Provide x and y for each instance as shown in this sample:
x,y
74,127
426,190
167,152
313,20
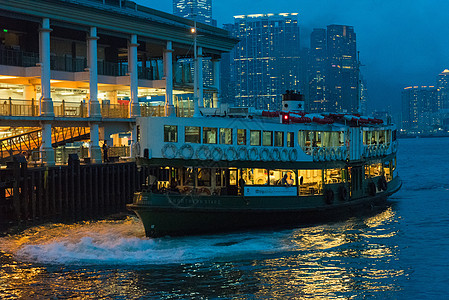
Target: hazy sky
x,y
401,42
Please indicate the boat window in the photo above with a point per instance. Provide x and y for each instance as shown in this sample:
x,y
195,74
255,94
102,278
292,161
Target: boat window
x,y
310,182
219,177
373,170
209,135
381,137
255,137
226,136
388,170
233,177
254,176
241,136
192,134
203,177
290,139
282,177
279,138
267,138
188,178
333,176
170,133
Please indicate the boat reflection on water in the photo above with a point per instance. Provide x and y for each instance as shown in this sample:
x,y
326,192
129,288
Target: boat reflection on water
x,y
114,259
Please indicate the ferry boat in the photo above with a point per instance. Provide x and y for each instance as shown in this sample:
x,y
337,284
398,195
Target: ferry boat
x,y
242,168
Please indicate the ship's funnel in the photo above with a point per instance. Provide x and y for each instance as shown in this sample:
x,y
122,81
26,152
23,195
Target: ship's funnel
x,y
292,101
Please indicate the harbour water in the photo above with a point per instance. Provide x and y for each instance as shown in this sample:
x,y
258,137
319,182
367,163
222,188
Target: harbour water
x,y
398,253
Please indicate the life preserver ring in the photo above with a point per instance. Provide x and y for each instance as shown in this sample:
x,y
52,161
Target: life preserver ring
x,y
343,192
372,188
329,196
333,154
344,154
276,154
203,152
186,151
338,154
315,154
327,154
252,154
231,154
243,153
217,153
264,154
169,151
284,154
321,154
293,155
382,183
205,191
384,150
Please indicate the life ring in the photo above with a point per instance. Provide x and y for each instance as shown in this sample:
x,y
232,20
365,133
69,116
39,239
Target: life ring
x,y
382,183
315,154
252,154
284,154
344,154
372,188
243,153
343,192
205,191
264,154
338,154
169,151
203,152
321,154
186,151
333,154
217,153
327,154
231,154
329,196
276,154
384,150
293,155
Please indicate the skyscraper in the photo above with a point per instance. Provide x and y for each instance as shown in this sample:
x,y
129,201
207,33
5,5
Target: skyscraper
x,y
342,69
443,89
317,69
266,62
199,10
419,105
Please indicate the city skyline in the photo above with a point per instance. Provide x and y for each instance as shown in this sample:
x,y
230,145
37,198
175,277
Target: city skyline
x,y
396,44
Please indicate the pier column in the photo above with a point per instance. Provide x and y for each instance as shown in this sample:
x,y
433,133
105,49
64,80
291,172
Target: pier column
x,y
47,152
168,71
134,150
46,103
134,108
217,94
94,104
200,77
94,147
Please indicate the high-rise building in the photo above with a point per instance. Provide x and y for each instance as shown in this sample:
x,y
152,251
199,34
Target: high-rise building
x,y
342,70
443,89
317,70
198,10
419,106
266,61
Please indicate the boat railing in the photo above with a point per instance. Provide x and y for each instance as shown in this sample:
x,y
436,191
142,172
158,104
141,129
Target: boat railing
x,y
375,150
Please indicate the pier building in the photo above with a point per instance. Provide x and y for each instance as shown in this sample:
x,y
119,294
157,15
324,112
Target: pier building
x,y
81,71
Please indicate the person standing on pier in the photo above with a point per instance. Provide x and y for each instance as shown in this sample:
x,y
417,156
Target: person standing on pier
x,y
105,151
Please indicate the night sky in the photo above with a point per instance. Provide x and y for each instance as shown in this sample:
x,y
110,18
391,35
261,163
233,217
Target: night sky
x,y
401,43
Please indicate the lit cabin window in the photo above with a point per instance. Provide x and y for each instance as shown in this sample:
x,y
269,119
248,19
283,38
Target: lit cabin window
x,y
226,136
290,139
267,138
279,139
241,136
192,134
209,135
170,133
255,137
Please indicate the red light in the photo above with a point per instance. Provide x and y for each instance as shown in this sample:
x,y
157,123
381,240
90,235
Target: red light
x,y
285,117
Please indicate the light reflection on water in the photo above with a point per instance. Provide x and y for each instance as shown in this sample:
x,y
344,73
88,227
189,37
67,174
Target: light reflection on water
x,y
114,259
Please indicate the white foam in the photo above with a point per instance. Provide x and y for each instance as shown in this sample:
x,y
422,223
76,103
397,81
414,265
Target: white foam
x,y
123,243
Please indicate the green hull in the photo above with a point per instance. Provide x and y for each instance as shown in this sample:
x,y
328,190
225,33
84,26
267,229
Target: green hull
x,y
174,215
